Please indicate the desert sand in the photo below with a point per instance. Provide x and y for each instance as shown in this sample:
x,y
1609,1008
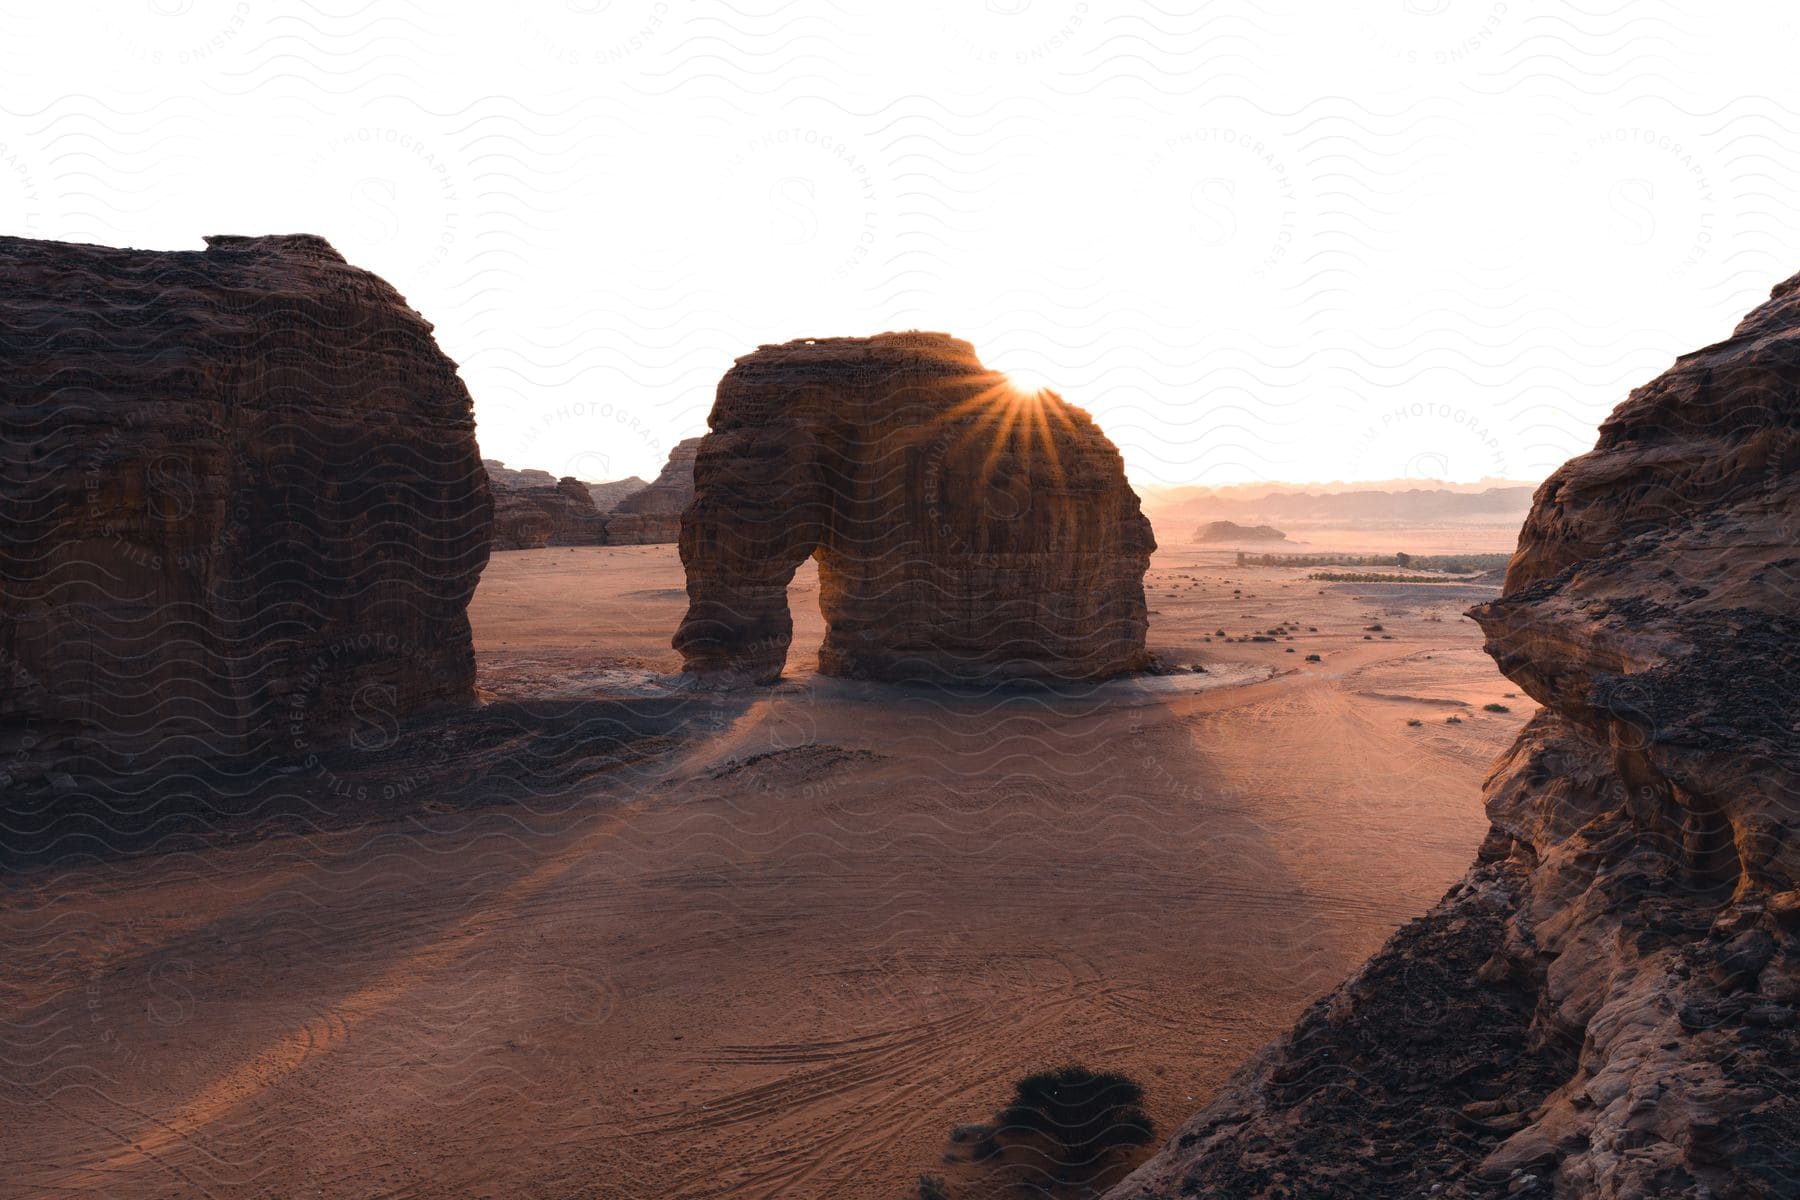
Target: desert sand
x,y
784,954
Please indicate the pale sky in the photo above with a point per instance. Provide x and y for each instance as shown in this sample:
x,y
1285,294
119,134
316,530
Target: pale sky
x,y
1294,241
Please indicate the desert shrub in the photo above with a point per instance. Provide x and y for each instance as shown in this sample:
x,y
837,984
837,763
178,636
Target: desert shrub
x,y
1314,658
1414,721
1453,720
1495,708
1080,1116
933,1187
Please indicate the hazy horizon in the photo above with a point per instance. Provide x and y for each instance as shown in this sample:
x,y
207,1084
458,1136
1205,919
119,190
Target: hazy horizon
x,y
1395,240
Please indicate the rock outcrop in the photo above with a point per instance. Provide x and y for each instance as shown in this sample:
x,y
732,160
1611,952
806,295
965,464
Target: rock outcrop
x,y
609,495
574,521
653,514
1606,1005
964,530
1231,531
502,476
520,524
244,509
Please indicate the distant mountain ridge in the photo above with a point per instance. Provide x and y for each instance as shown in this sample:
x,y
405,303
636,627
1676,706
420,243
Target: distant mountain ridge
x,y
1415,506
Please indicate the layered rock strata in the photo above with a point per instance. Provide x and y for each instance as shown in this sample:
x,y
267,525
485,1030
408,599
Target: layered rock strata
x,y
653,513
965,530
1606,1005
244,506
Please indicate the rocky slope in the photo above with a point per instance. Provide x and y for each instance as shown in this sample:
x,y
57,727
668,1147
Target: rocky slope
x,y
964,530
1606,1005
244,506
653,513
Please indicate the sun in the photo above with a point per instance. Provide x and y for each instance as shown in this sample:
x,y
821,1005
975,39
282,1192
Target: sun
x,y
1026,380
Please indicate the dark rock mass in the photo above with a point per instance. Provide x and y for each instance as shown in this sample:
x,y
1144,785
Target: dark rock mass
x,y
1605,1006
965,530
574,521
1231,531
520,524
244,505
653,513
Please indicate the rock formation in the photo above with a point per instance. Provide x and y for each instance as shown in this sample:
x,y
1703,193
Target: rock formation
x,y
520,524
1605,1006
653,513
609,495
244,509
964,530
1231,531
502,476
574,521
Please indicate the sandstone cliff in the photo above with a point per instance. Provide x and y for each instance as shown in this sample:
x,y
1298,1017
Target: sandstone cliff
x,y
964,530
1606,1005
244,505
520,524
653,513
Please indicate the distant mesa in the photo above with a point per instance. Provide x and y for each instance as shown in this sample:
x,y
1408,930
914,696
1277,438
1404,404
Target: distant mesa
x,y
1231,531
535,510
1606,1004
244,509
966,530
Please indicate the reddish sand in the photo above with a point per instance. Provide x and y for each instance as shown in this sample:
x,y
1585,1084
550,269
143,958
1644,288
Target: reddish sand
x,y
833,922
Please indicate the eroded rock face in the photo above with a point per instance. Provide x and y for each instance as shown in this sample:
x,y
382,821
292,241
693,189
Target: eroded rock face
x,y
964,531
1606,1005
653,513
520,524
244,509
574,521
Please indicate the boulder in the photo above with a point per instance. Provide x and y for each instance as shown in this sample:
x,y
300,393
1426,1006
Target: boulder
x,y
244,505
1621,967
653,514
965,530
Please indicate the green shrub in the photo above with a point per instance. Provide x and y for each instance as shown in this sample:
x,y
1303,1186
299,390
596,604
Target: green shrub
x,y
1495,708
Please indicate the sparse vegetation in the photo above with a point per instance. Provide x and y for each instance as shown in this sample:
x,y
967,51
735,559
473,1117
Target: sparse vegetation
x,y
1314,658
1453,720
1414,721
1076,1119
1495,708
1376,577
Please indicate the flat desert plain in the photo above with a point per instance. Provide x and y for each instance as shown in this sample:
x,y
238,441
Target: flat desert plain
x,y
789,944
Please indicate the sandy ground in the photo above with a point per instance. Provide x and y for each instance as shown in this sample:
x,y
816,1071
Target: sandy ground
x,y
785,956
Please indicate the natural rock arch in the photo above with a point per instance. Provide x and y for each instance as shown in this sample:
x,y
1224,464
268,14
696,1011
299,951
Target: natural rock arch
x,y
965,530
